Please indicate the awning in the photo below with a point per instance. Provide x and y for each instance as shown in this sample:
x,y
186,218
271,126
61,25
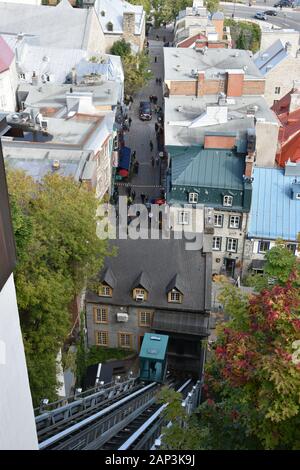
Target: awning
x,y
258,264
124,158
181,322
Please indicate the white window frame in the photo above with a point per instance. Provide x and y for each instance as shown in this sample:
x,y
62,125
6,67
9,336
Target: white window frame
x,y
227,200
230,243
217,224
234,221
175,296
217,246
259,244
183,217
193,198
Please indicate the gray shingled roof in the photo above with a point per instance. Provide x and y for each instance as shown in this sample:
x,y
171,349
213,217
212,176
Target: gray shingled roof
x,y
109,278
162,260
142,281
176,283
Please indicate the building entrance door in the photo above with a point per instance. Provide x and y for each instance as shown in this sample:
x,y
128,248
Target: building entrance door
x,y
229,264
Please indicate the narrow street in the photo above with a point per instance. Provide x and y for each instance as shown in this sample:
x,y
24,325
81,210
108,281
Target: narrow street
x,y
147,180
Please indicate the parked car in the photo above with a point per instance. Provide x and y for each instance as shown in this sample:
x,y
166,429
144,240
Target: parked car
x,y
145,111
260,16
285,3
270,13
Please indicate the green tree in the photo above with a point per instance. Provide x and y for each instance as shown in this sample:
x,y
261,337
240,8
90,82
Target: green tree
x,y
121,48
145,3
245,35
137,72
57,248
212,5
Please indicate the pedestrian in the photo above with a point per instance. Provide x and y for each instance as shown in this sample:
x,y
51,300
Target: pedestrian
x,y
133,195
151,145
152,161
146,198
155,99
143,197
156,81
156,127
157,161
147,43
129,122
157,36
129,201
128,190
131,99
133,155
150,98
155,59
136,167
159,81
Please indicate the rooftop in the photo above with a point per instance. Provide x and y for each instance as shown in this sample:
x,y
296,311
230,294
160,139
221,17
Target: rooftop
x,y
268,59
159,261
114,13
207,168
180,62
274,214
187,119
6,55
61,26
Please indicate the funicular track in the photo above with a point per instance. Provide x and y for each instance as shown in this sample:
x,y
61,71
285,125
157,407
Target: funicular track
x,y
110,422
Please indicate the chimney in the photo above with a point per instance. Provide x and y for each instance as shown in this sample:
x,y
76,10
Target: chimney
x,y
200,84
235,82
34,79
295,97
74,76
128,22
249,160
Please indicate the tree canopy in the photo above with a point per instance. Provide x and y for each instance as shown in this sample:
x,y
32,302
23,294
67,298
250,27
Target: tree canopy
x,y
245,35
252,380
57,248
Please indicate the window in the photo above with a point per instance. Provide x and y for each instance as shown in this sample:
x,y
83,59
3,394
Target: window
x,y
105,291
193,198
297,196
175,296
234,221
217,242
102,13
125,340
22,76
227,201
263,246
183,217
110,26
145,318
101,314
232,244
102,338
218,220
277,90
292,247
138,292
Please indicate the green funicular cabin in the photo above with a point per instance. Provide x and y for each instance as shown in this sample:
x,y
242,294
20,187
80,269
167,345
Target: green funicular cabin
x,y
153,357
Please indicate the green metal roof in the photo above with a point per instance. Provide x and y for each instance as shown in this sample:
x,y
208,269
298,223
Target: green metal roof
x,y
214,168
154,346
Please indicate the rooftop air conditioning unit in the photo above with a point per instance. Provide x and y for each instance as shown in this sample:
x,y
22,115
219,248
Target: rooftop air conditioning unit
x,y
139,297
122,317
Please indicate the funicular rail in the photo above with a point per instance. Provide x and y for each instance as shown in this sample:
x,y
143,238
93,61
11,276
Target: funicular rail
x,y
101,425
54,421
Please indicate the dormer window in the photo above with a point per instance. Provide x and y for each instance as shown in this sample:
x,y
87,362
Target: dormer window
x,y
193,198
175,296
227,201
105,291
102,13
140,294
110,26
297,196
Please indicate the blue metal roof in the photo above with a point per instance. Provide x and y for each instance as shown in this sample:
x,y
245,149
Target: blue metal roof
x,y
268,59
274,214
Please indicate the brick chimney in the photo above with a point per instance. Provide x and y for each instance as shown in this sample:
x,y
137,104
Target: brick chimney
x,y
249,160
200,84
128,22
235,82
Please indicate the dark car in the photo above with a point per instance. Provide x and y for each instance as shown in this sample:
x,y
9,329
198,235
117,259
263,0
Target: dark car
x,y
271,12
145,111
284,3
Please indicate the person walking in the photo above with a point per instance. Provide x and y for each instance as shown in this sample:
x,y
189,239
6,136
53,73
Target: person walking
x,y
155,59
129,122
143,198
128,190
136,167
152,160
133,155
156,127
133,195
151,145
157,161
159,80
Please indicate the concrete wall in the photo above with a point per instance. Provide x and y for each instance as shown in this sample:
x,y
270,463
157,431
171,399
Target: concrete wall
x,y
266,143
17,426
8,86
283,76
